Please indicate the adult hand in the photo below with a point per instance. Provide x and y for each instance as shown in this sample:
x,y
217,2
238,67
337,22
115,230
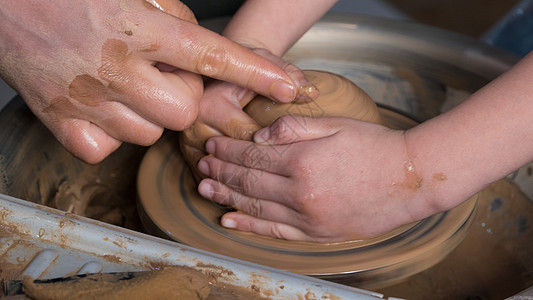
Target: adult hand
x,y
329,179
221,112
98,73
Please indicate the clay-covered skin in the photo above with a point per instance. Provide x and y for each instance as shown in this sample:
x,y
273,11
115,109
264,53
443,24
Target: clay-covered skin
x,y
338,97
128,70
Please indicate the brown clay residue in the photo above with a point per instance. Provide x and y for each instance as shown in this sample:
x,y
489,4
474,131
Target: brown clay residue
x,y
331,296
308,91
119,244
218,269
151,48
157,264
440,177
115,55
112,258
87,90
310,296
4,212
9,271
240,130
169,283
66,222
10,227
412,180
60,106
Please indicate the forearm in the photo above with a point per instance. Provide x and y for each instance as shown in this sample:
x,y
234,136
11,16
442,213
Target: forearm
x,y
482,140
275,25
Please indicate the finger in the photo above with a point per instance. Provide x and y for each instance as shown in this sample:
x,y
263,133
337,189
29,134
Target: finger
x,y
250,182
220,114
292,129
85,140
123,124
199,50
169,100
221,109
108,123
257,207
175,8
272,159
307,90
244,222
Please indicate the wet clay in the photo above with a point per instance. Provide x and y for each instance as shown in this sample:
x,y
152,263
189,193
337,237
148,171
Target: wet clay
x,y
338,97
412,179
88,90
168,283
171,282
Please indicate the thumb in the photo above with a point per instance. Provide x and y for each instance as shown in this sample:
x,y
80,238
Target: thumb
x,y
291,129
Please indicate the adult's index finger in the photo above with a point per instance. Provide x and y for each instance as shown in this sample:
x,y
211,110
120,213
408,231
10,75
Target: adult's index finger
x,y
196,49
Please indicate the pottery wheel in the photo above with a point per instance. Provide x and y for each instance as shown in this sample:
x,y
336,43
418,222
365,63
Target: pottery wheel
x,y
172,208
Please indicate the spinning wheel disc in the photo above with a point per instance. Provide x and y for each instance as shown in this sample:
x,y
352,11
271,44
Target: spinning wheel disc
x,y
172,208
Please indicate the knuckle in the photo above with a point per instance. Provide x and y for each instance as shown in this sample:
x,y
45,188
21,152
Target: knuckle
x,y
283,128
304,199
187,112
245,183
255,157
247,157
235,199
276,231
255,207
212,60
149,138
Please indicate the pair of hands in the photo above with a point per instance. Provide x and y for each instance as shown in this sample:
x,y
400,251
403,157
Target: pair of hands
x,y
314,180
101,73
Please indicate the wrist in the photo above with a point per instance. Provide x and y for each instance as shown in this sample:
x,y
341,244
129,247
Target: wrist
x,y
447,176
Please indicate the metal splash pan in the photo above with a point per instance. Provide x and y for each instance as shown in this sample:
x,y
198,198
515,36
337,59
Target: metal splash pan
x,y
45,243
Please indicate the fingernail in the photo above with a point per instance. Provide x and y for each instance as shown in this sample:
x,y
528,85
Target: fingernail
x,y
206,189
203,166
282,91
210,147
262,135
228,223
